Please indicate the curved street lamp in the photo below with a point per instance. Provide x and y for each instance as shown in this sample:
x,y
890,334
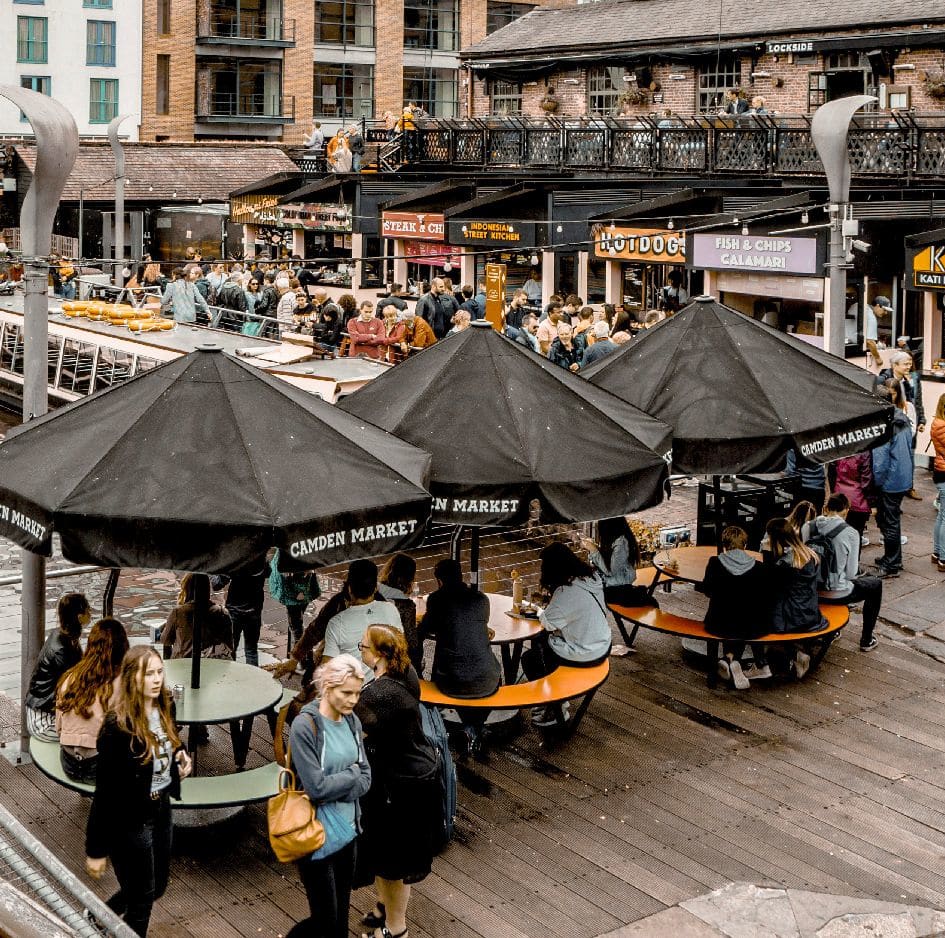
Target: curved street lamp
x,y
57,145
119,235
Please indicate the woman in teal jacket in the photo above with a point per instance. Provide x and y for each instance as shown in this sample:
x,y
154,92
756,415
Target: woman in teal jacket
x,y
295,589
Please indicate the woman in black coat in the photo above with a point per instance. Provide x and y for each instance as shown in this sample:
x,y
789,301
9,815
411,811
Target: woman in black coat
x,y
402,809
140,766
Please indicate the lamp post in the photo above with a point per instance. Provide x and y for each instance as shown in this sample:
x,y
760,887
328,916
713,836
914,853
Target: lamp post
x,y
119,236
82,191
829,129
57,145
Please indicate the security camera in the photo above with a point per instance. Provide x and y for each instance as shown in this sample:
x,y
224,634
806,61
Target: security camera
x,y
862,246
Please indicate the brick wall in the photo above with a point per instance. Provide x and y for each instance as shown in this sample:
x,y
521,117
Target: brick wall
x,y
297,79
178,124
389,57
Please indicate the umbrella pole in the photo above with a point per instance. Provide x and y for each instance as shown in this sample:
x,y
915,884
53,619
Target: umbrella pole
x,y
108,599
200,611
456,544
474,558
717,498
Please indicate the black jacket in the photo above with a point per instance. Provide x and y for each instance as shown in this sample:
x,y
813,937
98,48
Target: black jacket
x,y
438,311
389,300
57,656
122,796
267,302
796,606
909,386
739,607
246,591
231,296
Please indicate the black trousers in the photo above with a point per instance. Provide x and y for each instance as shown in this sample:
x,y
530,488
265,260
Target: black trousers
x,y
295,614
540,660
328,887
247,623
869,591
889,519
629,596
142,861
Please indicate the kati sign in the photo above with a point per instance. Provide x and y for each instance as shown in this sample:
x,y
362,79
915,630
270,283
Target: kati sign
x,y
771,254
928,268
639,244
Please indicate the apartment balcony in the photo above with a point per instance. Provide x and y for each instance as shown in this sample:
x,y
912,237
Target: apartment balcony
x,y
227,107
226,29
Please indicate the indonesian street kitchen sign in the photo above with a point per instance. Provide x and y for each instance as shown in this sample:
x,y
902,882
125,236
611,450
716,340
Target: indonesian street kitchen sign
x,y
928,268
640,244
416,226
491,233
772,254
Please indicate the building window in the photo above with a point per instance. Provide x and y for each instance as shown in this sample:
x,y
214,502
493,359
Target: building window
x,y
506,97
344,92
715,80
163,17
39,83
97,4
37,3
240,88
501,14
100,42
344,22
898,97
162,85
605,85
103,100
840,60
434,89
31,32
432,25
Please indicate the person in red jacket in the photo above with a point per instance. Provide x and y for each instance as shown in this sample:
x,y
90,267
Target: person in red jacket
x,y
938,477
853,477
366,332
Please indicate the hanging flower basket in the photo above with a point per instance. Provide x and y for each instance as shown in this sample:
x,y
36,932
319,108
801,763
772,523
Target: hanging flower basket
x,y
549,103
633,97
935,85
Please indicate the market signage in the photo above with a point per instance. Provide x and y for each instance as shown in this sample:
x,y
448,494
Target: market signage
x,y
316,216
641,244
495,294
771,254
492,233
411,225
782,47
928,268
251,209
429,253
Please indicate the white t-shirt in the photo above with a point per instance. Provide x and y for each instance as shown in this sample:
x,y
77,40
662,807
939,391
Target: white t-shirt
x,y
870,324
347,628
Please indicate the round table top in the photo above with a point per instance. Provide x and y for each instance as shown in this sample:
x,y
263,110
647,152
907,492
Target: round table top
x,y
228,690
688,563
509,629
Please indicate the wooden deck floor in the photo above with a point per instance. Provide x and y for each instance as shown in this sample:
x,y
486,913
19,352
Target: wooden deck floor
x,y
669,790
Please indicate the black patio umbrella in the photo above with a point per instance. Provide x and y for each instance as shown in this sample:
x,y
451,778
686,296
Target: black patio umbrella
x,y
739,394
203,464
506,426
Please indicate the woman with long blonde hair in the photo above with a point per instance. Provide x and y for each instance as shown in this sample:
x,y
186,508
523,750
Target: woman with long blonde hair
x,y
140,766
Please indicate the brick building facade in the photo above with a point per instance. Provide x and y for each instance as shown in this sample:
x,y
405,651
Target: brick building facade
x,y
264,69
660,56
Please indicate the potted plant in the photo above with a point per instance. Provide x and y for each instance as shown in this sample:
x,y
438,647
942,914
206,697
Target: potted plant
x,y
935,84
549,103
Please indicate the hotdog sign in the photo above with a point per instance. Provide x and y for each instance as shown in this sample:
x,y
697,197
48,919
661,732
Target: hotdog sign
x,y
640,244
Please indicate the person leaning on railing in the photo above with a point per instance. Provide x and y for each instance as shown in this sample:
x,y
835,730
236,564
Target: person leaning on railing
x,y
183,298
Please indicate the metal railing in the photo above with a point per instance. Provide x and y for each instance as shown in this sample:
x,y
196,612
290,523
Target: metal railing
x,y
897,145
248,107
245,28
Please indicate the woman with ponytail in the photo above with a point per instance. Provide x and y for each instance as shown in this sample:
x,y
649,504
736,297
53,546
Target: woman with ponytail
x,y
403,807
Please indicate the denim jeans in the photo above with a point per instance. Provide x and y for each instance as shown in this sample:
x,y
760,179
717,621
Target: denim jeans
x,y
248,624
328,887
142,859
938,531
888,516
356,162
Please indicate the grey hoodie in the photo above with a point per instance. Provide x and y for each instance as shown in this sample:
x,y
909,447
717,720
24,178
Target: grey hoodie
x,y
846,546
736,562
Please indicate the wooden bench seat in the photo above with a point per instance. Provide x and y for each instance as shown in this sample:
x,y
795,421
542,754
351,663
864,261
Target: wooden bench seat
x,y
563,684
649,617
209,791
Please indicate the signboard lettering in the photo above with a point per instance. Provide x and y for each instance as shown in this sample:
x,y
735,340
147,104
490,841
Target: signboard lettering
x,y
410,225
365,534
495,294
23,522
640,244
838,441
928,267
779,48
778,255
316,216
493,231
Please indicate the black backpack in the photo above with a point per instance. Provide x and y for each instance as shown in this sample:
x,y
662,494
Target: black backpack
x,y
826,549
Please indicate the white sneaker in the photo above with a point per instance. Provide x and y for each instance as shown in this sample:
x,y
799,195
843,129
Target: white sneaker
x,y
738,676
903,539
864,541
754,673
801,664
725,672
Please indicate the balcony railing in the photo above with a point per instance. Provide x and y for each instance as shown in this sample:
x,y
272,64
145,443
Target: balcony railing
x,y
257,108
894,146
255,29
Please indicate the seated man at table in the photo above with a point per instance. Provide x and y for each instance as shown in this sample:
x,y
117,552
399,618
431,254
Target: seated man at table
x,y
344,631
736,585
457,617
464,666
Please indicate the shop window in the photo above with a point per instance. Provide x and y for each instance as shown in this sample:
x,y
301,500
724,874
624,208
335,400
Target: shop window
x,y
100,42
162,85
501,14
432,25
506,97
433,89
39,83
103,100
605,85
344,92
344,22
715,79
31,36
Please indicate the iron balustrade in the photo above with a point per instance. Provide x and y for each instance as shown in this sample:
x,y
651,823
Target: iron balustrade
x,y
899,145
246,28
248,107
